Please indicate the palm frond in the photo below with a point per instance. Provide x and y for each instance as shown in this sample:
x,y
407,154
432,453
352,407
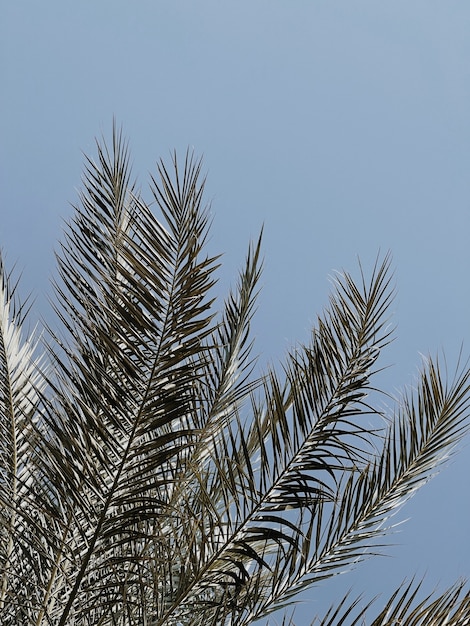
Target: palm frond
x,y
449,608
26,497
452,607
302,499
280,473
344,530
133,299
150,475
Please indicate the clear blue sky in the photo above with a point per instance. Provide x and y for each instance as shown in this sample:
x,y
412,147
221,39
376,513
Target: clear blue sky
x,y
343,126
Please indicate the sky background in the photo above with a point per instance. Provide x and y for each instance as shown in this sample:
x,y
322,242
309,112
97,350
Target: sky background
x,y
343,127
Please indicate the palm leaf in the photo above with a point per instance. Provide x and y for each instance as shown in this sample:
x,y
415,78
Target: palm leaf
x,y
452,608
149,474
134,302
27,498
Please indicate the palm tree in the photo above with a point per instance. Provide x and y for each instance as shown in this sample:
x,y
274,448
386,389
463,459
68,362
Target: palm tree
x,y
149,477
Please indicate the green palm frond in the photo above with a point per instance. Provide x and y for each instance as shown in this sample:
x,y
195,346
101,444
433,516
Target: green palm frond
x,y
150,474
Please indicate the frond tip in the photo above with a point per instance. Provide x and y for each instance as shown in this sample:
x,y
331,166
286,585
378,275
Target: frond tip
x,y
150,474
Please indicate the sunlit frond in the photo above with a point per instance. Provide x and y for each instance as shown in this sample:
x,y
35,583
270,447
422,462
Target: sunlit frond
x,y
404,606
151,475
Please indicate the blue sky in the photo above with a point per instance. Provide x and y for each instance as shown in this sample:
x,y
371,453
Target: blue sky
x,y
343,127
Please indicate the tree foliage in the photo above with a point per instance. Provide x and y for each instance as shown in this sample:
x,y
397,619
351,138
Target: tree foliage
x,y
150,475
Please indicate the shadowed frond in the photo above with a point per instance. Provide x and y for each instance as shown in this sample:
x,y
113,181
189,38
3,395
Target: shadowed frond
x,y
151,475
